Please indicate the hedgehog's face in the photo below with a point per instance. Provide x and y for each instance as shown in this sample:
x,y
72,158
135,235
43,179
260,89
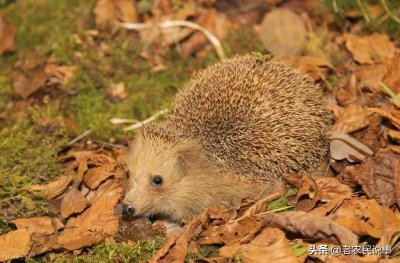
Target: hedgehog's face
x,y
156,172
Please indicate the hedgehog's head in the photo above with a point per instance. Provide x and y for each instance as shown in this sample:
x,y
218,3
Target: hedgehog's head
x,y
159,183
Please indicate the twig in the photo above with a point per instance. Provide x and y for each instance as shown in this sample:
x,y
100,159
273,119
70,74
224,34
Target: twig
x,y
387,10
146,121
86,133
363,10
175,23
122,121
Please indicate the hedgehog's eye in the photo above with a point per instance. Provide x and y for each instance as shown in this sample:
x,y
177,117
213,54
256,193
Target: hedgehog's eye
x,y
157,180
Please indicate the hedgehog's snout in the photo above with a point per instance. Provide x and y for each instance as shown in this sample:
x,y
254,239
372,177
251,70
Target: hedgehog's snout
x,y
128,210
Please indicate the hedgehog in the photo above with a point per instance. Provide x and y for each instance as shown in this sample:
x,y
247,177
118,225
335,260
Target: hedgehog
x,y
232,131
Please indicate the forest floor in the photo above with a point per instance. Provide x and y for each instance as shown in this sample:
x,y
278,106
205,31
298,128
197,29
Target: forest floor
x,y
67,69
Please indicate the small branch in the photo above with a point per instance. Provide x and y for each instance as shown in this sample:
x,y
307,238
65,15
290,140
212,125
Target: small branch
x,y
80,137
175,23
146,121
392,16
122,121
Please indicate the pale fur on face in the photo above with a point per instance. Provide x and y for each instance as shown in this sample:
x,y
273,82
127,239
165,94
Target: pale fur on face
x,y
190,181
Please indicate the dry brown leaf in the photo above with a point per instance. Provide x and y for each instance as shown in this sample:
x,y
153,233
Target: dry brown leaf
x,y
397,182
107,189
73,202
176,248
7,35
85,158
93,225
366,217
308,194
309,225
57,187
215,22
316,67
31,78
271,243
344,146
391,75
94,176
109,12
353,117
370,76
44,231
15,244
371,49
376,175
63,73
39,225
283,32
392,115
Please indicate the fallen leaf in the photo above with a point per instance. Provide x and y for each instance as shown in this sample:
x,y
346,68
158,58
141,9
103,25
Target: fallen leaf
x,y
309,225
353,117
44,231
215,22
57,187
392,115
271,243
344,146
109,12
94,176
376,175
92,226
73,202
316,67
106,190
283,32
7,35
15,244
370,49
366,217
39,225
31,77
391,75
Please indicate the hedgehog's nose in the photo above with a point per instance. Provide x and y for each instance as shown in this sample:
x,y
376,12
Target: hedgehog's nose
x,y
128,210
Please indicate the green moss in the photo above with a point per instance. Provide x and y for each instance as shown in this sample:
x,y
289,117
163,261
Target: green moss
x,y
241,42
281,202
116,252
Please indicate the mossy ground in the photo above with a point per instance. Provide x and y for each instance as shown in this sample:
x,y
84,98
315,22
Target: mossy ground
x,y
31,135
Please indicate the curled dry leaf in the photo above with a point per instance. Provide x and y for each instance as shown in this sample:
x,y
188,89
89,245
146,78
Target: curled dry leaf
x,y
391,75
371,49
376,175
282,32
92,226
43,231
271,243
366,217
106,190
117,91
73,202
7,35
57,187
15,244
312,226
327,190
94,176
344,146
392,115
353,117
316,67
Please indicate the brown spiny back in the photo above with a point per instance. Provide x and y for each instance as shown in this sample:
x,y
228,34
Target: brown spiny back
x,y
253,116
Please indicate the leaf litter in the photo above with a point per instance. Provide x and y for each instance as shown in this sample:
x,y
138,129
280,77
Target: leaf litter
x,y
354,202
